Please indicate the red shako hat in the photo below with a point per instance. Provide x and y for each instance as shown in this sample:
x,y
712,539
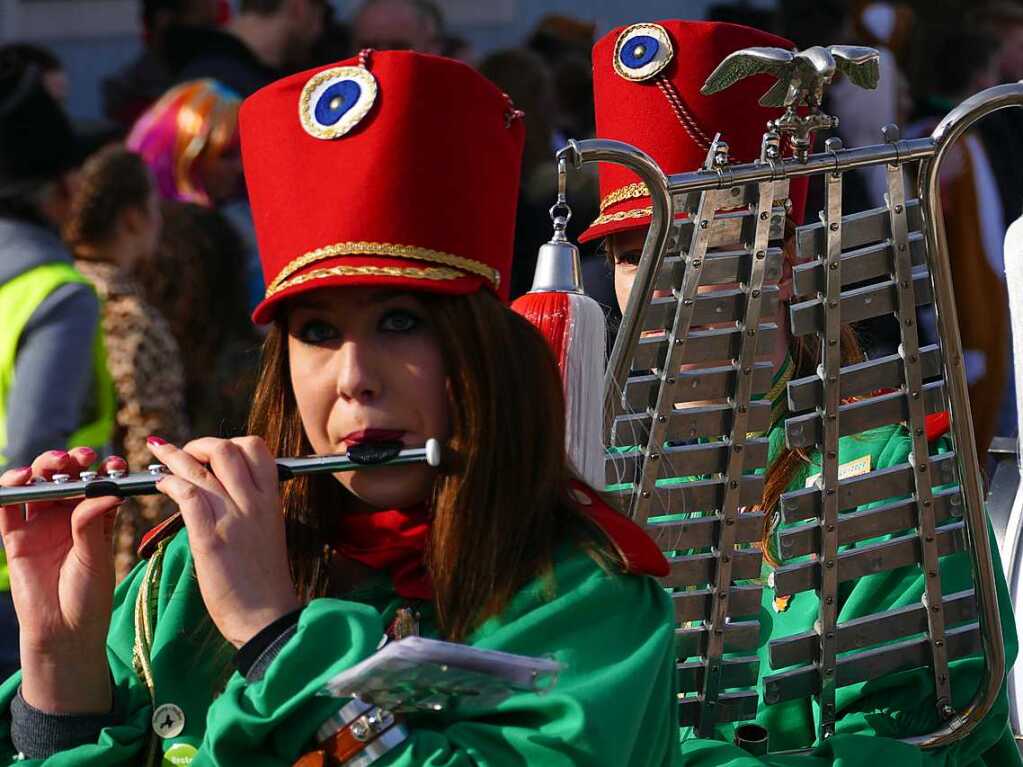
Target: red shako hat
x,y
390,168
646,84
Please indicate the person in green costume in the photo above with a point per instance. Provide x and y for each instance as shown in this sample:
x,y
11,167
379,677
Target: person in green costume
x,y
388,326
647,80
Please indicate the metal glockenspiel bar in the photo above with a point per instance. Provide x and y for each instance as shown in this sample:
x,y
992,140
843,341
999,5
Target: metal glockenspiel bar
x,y
909,350
726,553
831,354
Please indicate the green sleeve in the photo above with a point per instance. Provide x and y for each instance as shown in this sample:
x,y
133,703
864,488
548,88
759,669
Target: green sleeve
x,y
612,704
118,745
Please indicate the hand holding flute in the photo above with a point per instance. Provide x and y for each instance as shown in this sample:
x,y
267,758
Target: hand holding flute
x,y
62,581
60,560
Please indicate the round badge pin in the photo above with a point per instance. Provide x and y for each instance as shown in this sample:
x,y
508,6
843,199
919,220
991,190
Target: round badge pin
x,y
642,51
336,100
168,721
179,755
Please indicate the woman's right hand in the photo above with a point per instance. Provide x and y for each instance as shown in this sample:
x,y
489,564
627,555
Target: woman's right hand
x,y
60,560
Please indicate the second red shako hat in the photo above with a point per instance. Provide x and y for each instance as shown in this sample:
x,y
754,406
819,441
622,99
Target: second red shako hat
x,y
390,168
646,84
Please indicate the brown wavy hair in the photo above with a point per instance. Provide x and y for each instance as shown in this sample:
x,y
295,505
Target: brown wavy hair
x,y
111,181
500,505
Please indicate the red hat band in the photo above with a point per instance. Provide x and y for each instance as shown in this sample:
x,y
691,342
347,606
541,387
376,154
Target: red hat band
x,y
392,168
646,82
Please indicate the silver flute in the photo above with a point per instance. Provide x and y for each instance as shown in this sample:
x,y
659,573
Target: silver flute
x,y
91,484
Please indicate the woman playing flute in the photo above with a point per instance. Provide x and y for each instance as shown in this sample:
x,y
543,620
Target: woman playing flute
x,y
384,193
672,122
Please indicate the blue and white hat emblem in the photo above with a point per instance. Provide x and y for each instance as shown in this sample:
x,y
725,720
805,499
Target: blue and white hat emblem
x,y
335,100
642,51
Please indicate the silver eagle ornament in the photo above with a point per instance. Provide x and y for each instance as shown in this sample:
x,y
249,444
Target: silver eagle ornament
x,y
802,77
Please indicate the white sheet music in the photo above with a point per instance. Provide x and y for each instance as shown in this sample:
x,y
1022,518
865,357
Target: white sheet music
x,y
418,674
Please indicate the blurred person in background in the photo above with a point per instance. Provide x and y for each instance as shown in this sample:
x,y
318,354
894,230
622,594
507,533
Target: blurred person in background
x,y
335,41
1002,131
193,280
114,226
744,12
862,112
564,43
169,28
189,139
266,39
398,25
963,62
526,78
459,48
51,70
49,339
54,386
89,134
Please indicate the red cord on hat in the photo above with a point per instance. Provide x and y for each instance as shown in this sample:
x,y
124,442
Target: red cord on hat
x,y
688,122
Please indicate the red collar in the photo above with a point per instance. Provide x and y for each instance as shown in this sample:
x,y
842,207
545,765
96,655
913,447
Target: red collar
x,y
394,540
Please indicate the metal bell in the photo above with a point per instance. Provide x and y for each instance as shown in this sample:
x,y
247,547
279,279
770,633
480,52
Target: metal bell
x,y
558,267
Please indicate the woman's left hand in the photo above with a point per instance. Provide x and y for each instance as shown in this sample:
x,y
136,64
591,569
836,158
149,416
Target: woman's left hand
x,y
227,490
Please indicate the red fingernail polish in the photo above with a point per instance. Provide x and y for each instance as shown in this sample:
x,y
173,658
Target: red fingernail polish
x,y
58,453
154,440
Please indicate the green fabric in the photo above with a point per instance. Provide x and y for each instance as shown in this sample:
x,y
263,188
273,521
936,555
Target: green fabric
x,y
19,298
613,704
895,706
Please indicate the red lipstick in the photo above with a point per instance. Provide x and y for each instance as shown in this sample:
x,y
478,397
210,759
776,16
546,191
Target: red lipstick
x,y
373,435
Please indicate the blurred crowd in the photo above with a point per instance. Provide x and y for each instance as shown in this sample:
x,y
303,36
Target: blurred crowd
x,y
128,264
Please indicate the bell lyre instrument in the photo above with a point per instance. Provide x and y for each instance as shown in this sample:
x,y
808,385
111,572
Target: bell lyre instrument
x,y
122,484
685,422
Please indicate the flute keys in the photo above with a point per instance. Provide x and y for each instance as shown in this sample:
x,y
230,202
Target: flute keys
x,y
88,476
157,468
60,479
117,473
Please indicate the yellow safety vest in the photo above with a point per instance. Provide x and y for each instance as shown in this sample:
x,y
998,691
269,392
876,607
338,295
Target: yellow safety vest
x,y
19,298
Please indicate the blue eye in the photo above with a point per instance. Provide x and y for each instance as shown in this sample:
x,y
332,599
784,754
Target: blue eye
x,y
642,51
316,332
399,321
336,100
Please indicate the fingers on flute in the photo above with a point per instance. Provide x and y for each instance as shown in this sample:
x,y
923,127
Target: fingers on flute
x,y
83,458
92,529
183,465
191,500
262,464
13,517
54,462
231,466
113,463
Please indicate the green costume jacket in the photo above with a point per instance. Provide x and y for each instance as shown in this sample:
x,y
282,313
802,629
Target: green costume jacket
x,y
613,704
870,715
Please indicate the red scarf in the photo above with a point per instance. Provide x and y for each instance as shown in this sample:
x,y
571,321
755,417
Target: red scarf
x,y
394,540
